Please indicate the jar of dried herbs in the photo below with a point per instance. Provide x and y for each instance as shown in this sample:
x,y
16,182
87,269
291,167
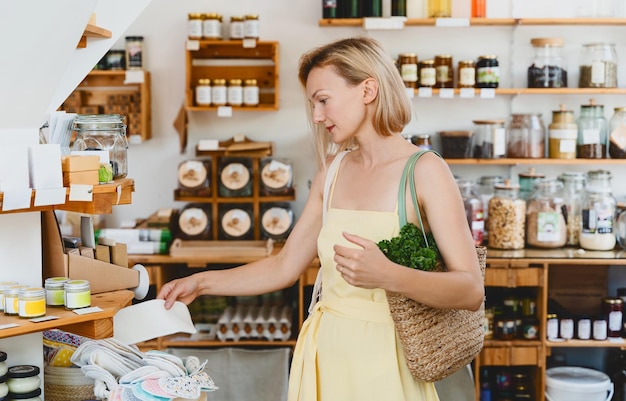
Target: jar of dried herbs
x,y
598,66
592,132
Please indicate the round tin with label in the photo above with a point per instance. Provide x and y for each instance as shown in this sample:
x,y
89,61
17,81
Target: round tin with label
x,y
77,294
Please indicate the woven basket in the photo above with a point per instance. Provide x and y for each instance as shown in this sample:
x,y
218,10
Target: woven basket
x,y
437,342
67,384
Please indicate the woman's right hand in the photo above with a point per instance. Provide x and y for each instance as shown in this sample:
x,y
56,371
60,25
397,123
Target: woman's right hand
x,y
184,290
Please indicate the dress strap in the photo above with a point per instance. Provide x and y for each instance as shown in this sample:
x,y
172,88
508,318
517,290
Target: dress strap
x,y
329,183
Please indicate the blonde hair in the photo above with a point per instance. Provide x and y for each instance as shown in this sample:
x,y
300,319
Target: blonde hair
x,y
357,59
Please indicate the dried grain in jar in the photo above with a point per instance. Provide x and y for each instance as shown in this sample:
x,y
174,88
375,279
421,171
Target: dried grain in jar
x,y
507,218
545,219
562,134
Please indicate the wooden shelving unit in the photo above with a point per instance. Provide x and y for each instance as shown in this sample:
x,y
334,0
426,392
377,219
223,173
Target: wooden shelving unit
x,y
93,31
543,161
357,22
533,91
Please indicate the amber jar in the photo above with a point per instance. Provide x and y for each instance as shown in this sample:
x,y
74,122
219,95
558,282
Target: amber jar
x,y
444,71
427,74
612,309
466,74
407,63
562,134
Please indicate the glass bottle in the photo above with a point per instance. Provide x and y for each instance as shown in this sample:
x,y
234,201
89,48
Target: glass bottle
x,y
562,134
466,74
473,209
598,212
545,221
548,67
506,226
598,66
592,132
573,188
479,8
617,133
526,136
612,308
439,8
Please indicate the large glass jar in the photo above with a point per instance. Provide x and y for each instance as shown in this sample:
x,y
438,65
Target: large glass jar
x,y
526,136
473,209
487,71
486,188
573,190
598,66
545,219
617,133
598,212
439,8
548,68
507,218
562,134
527,180
592,132
489,139
103,132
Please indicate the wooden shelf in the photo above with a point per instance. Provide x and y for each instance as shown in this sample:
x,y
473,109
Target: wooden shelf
x,y
105,196
185,340
532,91
357,22
93,31
587,344
516,162
93,325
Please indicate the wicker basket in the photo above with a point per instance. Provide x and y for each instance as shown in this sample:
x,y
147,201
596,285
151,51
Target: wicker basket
x,y
67,384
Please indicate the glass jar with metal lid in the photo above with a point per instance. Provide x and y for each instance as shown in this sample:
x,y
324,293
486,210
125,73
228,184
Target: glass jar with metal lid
x,y
489,139
545,220
203,92
77,294
573,188
444,71
235,92
598,212
562,134
251,26
219,92
236,27
250,92
487,71
55,291
548,67
407,63
4,285
212,26
598,66
31,302
526,136
427,74
194,25
11,303
617,133
466,74
592,132
527,180
103,132
506,226
612,309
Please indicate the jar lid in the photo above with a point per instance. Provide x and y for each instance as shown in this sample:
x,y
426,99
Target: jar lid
x,y
21,371
236,18
531,173
24,396
613,301
488,122
542,42
131,38
621,108
235,81
490,179
3,356
429,61
599,44
32,292
76,285
6,284
443,56
13,290
488,56
407,55
506,185
55,282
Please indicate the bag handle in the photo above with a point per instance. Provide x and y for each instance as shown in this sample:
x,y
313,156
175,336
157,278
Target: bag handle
x,y
408,177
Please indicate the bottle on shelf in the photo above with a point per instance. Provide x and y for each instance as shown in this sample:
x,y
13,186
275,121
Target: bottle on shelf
x,y
439,8
416,9
526,136
329,9
479,8
598,66
507,218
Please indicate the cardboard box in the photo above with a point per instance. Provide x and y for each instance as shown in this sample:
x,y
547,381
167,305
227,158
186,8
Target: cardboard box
x,y
81,177
74,163
102,253
119,254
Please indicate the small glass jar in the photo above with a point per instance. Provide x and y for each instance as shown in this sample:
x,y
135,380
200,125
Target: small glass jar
x,y
235,92
277,220
31,302
583,328
251,26
562,134
487,71
77,294
527,180
276,176
598,213
212,26
134,52
617,133
11,299
236,27
439,8
612,308
598,66
489,139
545,221
526,136
566,328
444,71
250,93
573,189
219,92
466,74
194,25
427,74
23,379
473,209
3,286
203,92
506,226
55,290
600,328
592,132
548,68
407,63
552,326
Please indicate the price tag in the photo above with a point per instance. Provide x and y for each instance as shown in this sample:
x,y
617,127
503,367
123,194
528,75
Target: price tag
x,y
224,111
249,43
446,93
193,45
487,93
447,22
410,92
467,93
425,92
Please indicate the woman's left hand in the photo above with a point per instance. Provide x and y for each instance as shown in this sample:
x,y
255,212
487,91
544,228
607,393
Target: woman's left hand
x,y
365,266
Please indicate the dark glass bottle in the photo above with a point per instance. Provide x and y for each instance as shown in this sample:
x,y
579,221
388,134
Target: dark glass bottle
x,y
351,8
329,8
372,8
485,385
398,8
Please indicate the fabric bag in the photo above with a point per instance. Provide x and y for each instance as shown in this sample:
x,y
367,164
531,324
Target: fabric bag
x,y
436,342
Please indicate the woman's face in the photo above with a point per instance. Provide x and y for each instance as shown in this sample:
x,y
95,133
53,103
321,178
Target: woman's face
x,y
336,104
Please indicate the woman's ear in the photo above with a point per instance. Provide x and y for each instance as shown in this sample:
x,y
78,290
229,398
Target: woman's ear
x,y
370,90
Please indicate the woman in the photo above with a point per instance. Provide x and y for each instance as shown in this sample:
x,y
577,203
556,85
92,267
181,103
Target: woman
x,y
348,349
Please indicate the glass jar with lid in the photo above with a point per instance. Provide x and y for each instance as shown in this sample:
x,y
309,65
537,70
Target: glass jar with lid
x,y
194,25
487,71
212,26
617,133
250,92
203,92
527,180
562,134
236,27
489,139
407,63
598,66
548,67
427,74
573,189
592,132
507,218
444,71
234,92
526,136
103,132
598,212
466,74
545,219
473,209
486,188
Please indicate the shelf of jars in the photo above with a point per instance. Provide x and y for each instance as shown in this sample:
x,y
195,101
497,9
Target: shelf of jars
x,y
531,161
189,341
489,93
357,22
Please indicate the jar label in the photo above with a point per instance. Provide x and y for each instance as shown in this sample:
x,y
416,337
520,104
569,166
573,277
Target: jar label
x,y
467,76
499,142
194,29
428,76
443,73
488,75
598,72
598,220
212,28
548,226
203,95
32,308
590,136
567,146
409,72
563,133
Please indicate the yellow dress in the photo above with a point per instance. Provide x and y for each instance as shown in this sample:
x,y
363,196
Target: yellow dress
x,y
348,349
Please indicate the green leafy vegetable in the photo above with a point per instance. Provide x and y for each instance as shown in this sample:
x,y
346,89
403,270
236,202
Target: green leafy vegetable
x,y
409,248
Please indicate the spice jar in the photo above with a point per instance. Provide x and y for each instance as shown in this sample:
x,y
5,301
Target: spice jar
x,y
134,52
489,139
408,69
194,25
212,26
203,92
103,132
566,328
236,27
473,209
466,74
598,212
526,136
548,68
552,326
487,71
600,328
545,221
617,133
235,92
444,71
427,74
592,132
583,328
77,294
612,308
250,93
219,92
507,218
562,134
573,188
251,26
31,302
598,66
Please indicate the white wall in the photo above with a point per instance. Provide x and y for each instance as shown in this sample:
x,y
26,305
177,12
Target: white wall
x,y
294,24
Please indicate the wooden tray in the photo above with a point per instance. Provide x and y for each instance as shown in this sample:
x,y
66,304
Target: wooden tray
x,y
222,249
